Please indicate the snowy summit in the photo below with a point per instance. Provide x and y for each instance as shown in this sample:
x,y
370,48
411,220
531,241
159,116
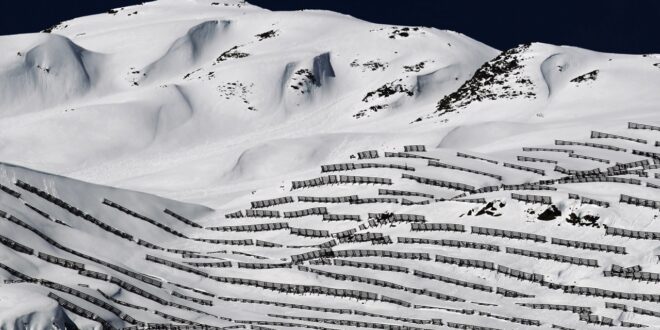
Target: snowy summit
x,y
198,164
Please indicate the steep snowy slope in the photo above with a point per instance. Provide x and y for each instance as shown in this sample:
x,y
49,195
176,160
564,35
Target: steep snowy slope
x,y
154,90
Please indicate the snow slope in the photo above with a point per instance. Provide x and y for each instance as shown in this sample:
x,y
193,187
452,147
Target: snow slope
x,y
216,106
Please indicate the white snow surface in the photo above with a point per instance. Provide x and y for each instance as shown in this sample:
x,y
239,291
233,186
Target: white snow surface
x,y
202,108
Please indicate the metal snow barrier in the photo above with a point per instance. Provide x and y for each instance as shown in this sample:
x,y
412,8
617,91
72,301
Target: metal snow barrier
x,y
649,154
414,148
595,171
370,265
309,232
374,200
93,274
381,253
15,245
89,298
532,199
61,261
557,307
250,213
639,201
234,215
345,233
405,155
553,256
487,189
601,135
395,301
320,181
587,144
453,281
521,275
462,155
439,183
465,262
341,217
632,125
226,241
616,306
427,226
322,253
573,196
375,238
143,218
342,199
403,193
132,288
534,159
624,166
597,178
251,228
369,154
11,192
601,160
642,311
513,294
355,166
181,218
586,200
364,179
73,210
448,242
271,202
524,168
409,202
651,185
458,168
80,311
547,149
175,265
507,234
218,264
527,186
590,246
397,217
306,212
254,265
352,278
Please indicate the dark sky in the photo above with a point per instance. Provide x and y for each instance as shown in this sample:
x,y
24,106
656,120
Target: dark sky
x,y
624,26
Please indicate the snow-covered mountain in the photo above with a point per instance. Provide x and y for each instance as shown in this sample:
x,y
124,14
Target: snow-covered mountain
x,y
216,163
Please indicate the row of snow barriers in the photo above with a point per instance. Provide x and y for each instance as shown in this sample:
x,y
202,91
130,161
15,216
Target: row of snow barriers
x,y
553,256
590,246
355,166
532,199
508,234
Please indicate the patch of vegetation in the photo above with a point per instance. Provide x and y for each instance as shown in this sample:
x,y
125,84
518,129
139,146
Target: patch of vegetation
x,y
402,32
302,80
492,208
589,76
492,81
370,65
112,11
551,213
586,220
387,90
414,68
373,108
231,53
267,34
657,65
237,89
55,27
